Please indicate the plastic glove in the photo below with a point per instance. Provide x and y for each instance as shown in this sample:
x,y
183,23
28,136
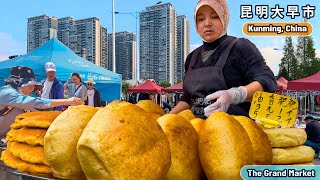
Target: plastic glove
x,y
224,99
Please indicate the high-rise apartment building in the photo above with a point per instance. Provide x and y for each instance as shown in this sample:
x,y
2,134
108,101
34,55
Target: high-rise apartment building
x,y
158,43
40,30
125,54
82,36
183,46
85,36
103,46
64,27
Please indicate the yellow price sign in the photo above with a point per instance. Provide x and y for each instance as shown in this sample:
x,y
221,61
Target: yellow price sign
x,y
273,110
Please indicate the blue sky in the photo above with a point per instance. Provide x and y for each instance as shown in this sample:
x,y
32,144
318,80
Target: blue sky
x,y
14,14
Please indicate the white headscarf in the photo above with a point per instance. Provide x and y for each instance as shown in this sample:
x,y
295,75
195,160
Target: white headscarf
x,y
221,8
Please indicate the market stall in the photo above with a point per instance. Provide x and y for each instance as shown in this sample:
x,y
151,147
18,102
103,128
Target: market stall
x,y
307,91
282,83
108,83
147,88
176,90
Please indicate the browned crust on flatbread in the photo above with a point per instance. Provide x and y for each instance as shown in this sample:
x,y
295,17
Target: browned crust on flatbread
x,y
30,114
37,121
23,166
28,153
31,136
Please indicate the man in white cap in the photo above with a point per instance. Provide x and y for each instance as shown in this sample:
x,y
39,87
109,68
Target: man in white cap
x,y
52,87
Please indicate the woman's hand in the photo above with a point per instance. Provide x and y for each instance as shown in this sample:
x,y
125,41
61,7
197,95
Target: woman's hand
x,y
224,99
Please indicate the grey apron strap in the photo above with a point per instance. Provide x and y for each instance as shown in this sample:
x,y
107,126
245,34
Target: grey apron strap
x,y
194,57
225,54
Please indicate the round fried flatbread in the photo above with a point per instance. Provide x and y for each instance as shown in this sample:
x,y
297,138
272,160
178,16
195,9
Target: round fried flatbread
x,y
187,114
23,116
37,121
286,137
292,155
61,141
31,136
23,166
28,153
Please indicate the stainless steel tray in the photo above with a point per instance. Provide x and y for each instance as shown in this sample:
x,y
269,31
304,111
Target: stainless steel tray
x,y
8,173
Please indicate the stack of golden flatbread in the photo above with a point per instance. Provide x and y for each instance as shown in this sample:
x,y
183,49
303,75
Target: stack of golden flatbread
x,y
287,146
25,150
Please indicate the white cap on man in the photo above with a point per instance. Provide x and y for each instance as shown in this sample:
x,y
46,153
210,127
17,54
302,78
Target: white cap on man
x,y
50,66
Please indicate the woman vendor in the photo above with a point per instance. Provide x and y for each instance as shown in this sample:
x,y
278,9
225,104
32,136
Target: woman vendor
x,y
225,72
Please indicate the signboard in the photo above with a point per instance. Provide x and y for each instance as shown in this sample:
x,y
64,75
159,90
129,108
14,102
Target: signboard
x,y
273,110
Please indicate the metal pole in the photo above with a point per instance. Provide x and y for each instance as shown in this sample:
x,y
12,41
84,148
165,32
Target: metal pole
x,y
113,38
137,47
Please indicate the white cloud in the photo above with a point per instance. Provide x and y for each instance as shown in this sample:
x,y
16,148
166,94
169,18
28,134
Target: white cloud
x,y
318,53
2,58
9,46
273,58
278,42
194,46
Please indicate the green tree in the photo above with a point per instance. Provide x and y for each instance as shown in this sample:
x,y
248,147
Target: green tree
x,y
125,87
283,72
289,64
315,65
306,55
165,84
311,56
295,69
300,54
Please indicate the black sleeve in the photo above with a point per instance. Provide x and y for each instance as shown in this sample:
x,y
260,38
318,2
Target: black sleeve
x,y
99,98
308,129
186,64
254,67
185,95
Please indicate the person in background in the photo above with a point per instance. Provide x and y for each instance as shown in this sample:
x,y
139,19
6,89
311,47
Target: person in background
x,y
313,134
164,97
76,89
52,87
93,94
296,123
15,99
225,72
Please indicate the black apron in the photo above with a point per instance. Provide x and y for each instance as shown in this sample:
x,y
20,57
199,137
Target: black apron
x,y
203,81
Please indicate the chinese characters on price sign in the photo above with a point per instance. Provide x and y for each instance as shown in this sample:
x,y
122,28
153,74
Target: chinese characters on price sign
x,y
273,109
